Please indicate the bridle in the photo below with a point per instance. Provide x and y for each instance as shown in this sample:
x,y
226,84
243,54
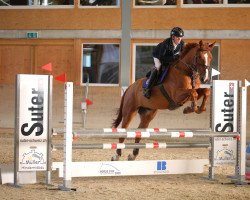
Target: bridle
x,y
194,67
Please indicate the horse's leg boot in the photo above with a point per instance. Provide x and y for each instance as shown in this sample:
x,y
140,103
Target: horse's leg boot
x,y
150,82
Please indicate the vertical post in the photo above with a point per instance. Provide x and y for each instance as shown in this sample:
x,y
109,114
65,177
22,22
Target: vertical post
x,y
84,103
68,121
242,170
49,130
16,137
238,144
211,160
125,42
211,139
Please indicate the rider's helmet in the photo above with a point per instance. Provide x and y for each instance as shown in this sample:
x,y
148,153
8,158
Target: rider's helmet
x,y
177,31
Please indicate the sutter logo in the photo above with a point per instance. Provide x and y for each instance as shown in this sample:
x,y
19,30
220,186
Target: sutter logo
x,y
228,111
36,114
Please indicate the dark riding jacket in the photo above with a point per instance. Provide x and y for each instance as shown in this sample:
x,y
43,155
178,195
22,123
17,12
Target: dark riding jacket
x,y
166,53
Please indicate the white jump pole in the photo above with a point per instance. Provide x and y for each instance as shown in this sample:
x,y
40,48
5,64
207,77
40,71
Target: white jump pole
x,y
242,171
68,121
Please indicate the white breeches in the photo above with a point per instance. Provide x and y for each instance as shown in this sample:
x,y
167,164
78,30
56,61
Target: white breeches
x,y
157,63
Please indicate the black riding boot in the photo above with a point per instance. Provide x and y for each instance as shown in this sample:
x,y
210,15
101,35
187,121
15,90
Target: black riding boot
x,y
150,83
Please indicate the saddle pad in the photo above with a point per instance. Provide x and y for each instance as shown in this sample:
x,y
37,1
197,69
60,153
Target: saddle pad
x,y
160,78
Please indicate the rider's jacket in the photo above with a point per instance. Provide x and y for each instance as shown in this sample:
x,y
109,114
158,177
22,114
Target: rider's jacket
x,y
166,52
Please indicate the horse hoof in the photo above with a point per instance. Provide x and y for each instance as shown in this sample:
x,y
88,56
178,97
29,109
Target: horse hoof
x,y
131,157
115,158
200,110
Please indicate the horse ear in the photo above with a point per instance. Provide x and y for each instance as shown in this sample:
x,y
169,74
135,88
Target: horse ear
x,y
211,46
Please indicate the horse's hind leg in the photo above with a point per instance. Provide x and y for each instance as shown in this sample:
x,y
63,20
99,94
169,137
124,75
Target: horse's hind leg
x,y
128,116
146,117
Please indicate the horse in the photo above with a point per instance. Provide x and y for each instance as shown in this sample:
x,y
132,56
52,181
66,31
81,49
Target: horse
x,y
181,84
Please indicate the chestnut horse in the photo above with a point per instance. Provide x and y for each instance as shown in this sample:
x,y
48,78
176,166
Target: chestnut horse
x,y
181,84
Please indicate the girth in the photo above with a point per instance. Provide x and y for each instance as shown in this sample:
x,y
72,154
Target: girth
x,y
172,104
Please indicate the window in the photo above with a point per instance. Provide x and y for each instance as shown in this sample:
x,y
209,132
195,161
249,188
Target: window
x,y
35,2
203,1
154,2
99,2
238,1
143,61
216,3
100,63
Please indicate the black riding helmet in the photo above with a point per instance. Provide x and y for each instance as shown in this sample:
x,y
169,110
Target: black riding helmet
x,y
177,31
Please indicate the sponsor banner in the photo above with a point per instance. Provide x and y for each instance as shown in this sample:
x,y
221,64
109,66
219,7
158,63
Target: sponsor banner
x,y
32,122
224,151
225,98
128,168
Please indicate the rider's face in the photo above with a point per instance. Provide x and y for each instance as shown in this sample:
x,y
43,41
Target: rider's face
x,y
176,39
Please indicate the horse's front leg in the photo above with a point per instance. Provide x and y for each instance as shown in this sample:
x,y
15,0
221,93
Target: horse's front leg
x,y
118,154
205,93
193,97
135,150
127,117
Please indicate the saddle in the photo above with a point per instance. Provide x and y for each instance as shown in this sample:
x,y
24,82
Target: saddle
x,y
160,78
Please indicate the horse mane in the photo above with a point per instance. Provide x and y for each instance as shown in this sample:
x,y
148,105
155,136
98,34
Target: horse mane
x,y
187,48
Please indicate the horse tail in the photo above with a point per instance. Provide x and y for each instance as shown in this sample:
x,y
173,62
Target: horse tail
x,y
118,120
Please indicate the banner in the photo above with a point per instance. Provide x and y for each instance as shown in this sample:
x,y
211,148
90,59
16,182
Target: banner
x,y
224,111
32,122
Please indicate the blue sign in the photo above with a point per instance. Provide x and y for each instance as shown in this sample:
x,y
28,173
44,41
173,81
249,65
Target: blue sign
x,y
161,165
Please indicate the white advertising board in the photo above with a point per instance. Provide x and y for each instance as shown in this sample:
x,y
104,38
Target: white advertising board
x,y
135,168
224,151
225,97
32,122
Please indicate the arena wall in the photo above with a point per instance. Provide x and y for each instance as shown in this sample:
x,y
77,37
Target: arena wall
x,y
31,55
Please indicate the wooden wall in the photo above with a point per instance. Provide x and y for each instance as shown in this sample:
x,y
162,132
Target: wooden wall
x,y
75,18
14,59
235,59
27,56
64,19
191,18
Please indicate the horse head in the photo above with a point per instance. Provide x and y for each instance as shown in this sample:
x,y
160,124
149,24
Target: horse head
x,y
197,58
203,59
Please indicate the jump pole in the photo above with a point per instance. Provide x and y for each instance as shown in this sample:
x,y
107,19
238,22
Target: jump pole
x,y
138,134
154,145
143,133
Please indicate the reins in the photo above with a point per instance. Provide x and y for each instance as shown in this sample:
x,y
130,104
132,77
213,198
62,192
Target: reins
x,y
194,73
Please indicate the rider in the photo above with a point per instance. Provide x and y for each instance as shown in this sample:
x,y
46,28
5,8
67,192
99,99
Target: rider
x,y
165,54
